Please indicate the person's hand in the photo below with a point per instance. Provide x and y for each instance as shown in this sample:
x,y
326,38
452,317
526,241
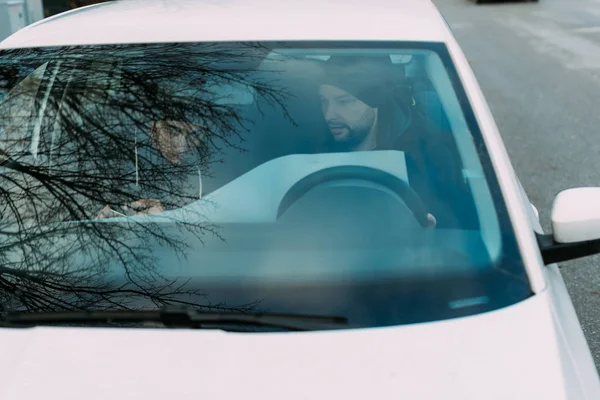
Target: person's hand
x,y
145,206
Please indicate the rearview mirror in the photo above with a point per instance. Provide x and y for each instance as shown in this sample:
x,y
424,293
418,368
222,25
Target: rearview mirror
x,y
575,225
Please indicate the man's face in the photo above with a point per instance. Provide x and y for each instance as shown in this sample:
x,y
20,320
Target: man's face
x,y
171,139
349,119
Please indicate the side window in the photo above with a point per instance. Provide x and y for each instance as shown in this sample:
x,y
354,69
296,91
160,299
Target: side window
x,y
19,107
85,111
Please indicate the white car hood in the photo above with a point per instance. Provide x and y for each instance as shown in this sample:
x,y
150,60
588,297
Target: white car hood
x,y
514,353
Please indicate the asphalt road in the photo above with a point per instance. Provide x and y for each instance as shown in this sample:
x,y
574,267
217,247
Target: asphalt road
x,y
539,67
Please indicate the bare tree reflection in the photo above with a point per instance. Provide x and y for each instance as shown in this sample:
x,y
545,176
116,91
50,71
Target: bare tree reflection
x,y
78,134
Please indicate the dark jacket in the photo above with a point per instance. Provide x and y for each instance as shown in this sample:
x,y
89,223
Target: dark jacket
x,y
407,124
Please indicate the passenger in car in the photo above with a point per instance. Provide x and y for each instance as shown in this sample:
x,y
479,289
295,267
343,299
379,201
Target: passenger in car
x,y
368,105
174,178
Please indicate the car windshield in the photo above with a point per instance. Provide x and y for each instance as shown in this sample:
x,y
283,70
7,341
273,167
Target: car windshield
x,y
308,178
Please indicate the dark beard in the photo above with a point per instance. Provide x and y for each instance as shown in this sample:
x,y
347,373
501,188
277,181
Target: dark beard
x,y
354,139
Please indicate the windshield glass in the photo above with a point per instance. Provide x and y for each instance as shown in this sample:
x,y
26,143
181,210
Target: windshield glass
x,y
311,178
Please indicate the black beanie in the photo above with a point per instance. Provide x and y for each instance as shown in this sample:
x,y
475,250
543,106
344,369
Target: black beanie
x,y
368,78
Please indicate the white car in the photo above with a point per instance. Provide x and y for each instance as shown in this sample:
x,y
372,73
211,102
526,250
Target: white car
x,y
497,1
276,200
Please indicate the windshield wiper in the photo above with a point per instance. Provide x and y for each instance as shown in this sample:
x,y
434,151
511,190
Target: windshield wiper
x,y
178,318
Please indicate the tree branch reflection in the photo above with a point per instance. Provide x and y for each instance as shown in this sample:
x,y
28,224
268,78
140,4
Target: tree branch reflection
x,y
86,129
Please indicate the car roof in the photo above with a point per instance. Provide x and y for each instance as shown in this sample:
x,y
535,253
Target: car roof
x,y
157,21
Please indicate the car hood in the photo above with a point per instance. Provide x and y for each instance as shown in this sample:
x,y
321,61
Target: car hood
x,y
513,353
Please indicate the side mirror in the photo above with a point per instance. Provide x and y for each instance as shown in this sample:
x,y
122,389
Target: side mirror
x,y
576,215
575,225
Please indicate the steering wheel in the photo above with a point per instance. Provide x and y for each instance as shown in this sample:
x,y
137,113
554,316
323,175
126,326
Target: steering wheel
x,y
396,185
